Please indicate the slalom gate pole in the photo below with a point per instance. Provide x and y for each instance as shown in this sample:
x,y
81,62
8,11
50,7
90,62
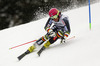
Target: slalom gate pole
x,y
89,14
22,44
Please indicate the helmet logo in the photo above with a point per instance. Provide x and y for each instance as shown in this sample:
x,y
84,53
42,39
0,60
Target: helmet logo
x,y
51,14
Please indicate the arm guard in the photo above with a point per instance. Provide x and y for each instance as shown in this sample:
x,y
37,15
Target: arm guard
x,y
48,24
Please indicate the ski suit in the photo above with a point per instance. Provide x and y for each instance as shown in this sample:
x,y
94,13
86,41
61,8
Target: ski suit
x,y
60,27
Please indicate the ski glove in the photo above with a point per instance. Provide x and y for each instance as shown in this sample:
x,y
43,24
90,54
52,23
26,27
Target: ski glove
x,y
62,40
66,34
51,32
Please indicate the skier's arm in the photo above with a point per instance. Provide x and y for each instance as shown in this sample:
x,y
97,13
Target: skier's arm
x,y
67,25
48,24
66,31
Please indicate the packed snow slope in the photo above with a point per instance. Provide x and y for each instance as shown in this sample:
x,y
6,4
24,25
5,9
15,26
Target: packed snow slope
x,y
83,50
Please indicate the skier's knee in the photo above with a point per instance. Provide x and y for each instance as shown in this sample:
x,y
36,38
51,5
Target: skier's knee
x,y
42,40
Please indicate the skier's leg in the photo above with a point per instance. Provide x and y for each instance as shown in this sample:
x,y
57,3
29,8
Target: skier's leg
x,y
37,43
47,44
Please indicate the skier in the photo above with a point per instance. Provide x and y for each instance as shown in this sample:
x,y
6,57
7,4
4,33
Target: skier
x,y
60,30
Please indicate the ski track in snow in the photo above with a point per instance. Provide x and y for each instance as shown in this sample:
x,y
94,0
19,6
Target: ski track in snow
x,y
83,50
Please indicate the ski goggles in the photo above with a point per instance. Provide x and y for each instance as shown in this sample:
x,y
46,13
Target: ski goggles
x,y
55,16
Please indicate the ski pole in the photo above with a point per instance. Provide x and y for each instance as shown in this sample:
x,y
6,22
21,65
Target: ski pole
x,y
22,44
71,38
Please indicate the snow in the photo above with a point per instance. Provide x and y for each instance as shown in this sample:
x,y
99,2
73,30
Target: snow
x,y
83,50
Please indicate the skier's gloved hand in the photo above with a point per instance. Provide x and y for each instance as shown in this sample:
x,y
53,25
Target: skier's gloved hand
x,y
50,31
52,34
66,34
62,40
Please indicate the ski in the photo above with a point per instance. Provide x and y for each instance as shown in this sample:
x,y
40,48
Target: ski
x,y
41,50
23,55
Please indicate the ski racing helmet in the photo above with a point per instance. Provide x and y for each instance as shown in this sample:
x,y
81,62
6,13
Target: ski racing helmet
x,y
53,13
